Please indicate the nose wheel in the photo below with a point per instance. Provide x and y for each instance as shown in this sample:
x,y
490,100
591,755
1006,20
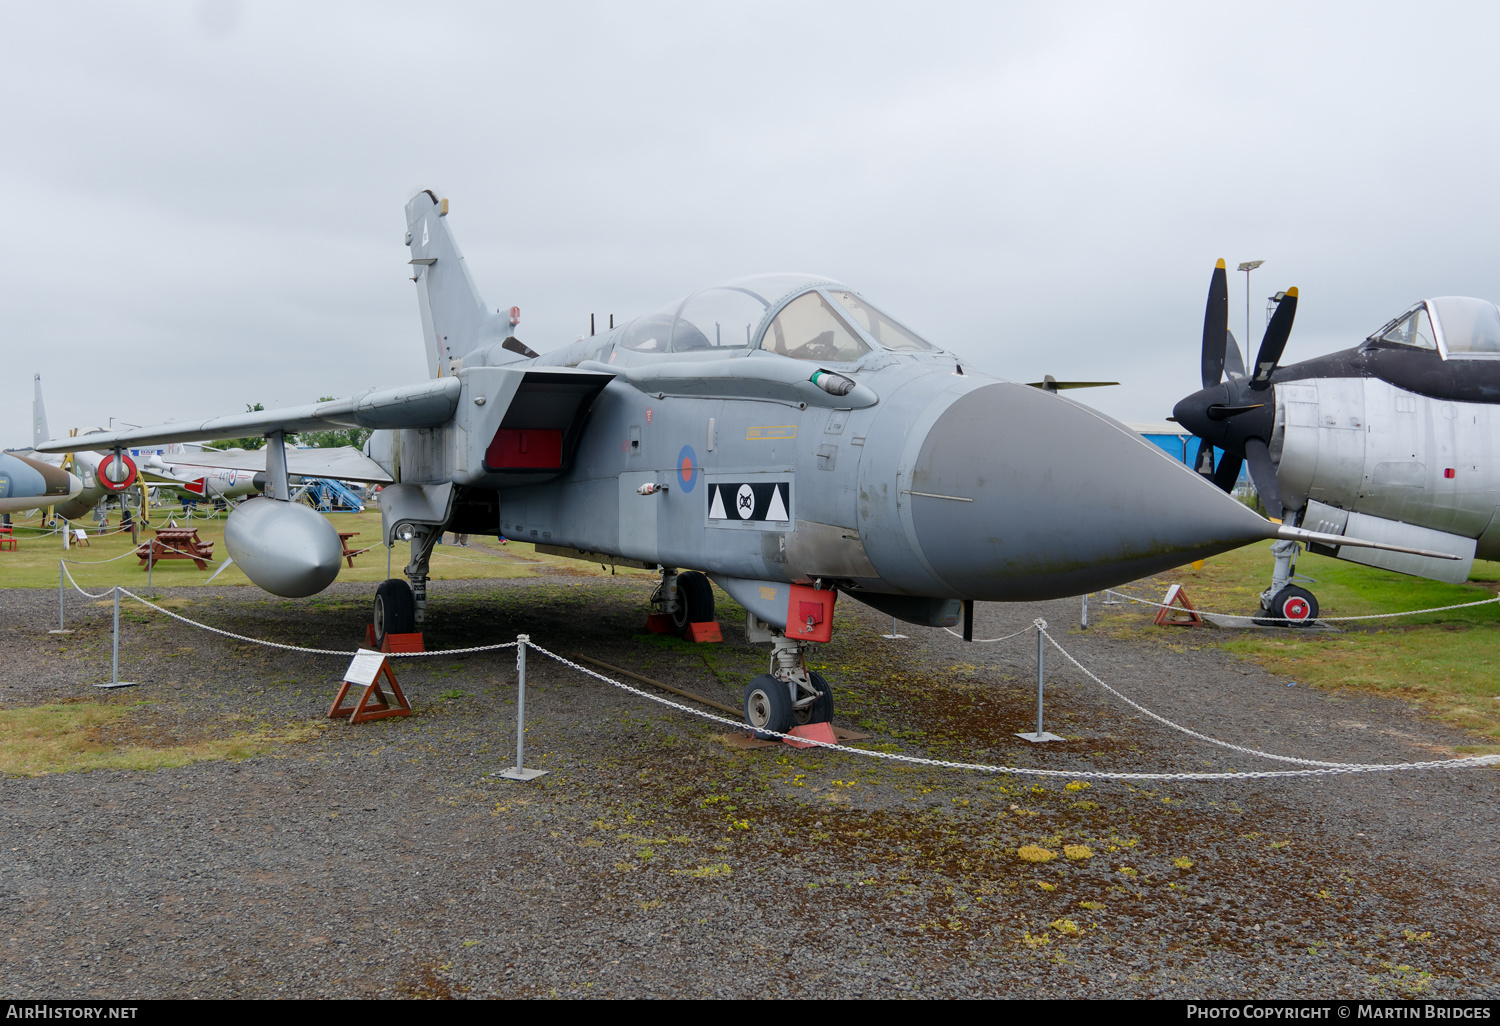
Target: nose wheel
x,y
1290,607
790,695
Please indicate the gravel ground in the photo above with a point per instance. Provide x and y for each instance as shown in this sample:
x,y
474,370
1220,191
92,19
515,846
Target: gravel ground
x,y
654,860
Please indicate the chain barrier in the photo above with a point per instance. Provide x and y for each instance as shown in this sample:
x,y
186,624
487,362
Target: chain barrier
x,y
1319,768
990,641
309,651
97,562
1175,726
1268,616
88,594
1322,770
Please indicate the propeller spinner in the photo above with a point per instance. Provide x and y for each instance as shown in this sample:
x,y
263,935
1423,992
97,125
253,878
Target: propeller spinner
x,y
1236,415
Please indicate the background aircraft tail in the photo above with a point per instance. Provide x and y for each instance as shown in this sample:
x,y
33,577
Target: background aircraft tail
x,y
455,320
38,414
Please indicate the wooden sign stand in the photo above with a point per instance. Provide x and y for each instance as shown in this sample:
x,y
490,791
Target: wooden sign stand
x,y
1173,614
366,669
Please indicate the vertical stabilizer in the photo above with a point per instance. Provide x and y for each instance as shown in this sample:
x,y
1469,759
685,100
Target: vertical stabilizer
x,y
454,318
38,414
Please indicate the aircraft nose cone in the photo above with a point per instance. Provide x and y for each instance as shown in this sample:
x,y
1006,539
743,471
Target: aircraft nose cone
x,y
75,486
1017,495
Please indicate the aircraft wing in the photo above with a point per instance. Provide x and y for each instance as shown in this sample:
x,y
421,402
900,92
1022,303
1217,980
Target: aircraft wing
x,y
429,404
344,463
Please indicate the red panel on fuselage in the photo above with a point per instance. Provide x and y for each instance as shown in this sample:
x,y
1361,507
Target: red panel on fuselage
x,y
518,448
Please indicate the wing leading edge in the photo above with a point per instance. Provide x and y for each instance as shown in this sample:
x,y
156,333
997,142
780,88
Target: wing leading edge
x,y
429,404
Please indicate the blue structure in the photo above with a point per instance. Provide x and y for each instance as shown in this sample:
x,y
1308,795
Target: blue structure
x,y
1181,444
328,495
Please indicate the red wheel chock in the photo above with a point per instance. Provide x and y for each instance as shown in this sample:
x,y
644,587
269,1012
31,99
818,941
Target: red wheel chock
x,y
813,732
708,631
704,632
395,642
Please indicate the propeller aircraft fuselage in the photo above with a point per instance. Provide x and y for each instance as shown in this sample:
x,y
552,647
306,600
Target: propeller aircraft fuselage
x,y
778,434
1394,439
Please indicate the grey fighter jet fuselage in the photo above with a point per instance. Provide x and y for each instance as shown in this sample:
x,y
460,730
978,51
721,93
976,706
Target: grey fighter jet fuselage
x,y
779,434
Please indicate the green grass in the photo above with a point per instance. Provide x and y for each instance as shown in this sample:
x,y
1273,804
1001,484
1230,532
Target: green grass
x,y
34,563
80,736
1441,661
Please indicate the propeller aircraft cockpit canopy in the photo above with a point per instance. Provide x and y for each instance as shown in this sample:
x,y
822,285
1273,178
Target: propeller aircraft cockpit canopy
x,y
779,434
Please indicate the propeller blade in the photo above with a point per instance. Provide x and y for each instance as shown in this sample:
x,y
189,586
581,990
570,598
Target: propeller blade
x,y
1234,364
1215,326
1229,471
1274,342
1263,473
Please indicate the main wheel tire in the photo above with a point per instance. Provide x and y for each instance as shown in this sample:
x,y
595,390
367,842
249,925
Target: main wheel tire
x,y
695,600
768,706
820,711
395,610
1293,607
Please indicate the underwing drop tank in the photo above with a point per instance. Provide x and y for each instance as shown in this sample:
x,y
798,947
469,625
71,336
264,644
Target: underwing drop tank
x,y
284,547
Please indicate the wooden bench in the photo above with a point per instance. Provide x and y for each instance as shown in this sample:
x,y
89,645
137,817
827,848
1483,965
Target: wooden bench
x,y
176,543
349,553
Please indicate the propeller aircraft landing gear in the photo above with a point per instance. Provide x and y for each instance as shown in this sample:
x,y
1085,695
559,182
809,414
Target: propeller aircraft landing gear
x,y
789,695
1284,604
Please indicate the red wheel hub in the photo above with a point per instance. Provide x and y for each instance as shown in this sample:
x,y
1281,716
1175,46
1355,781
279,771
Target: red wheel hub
x,y
1295,609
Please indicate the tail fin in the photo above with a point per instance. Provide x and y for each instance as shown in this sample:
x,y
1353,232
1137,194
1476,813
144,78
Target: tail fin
x,y
455,320
39,433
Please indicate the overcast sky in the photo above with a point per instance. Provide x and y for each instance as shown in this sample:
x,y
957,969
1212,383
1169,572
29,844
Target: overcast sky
x,y
206,197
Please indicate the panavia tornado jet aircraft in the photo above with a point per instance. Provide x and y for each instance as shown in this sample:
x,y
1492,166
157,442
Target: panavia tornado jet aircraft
x,y
1393,440
779,435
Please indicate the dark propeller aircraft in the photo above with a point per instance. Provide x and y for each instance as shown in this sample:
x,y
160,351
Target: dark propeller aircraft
x,y
780,435
1392,440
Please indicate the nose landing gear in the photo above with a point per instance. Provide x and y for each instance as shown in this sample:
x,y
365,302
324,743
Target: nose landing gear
x,y
1284,604
790,695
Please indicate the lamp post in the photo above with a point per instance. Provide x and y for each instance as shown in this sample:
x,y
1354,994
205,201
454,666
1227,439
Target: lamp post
x,y
1247,267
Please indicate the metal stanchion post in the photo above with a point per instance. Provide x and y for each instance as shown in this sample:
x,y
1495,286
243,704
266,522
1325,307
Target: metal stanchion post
x,y
114,680
61,627
895,634
1084,622
519,770
1040,735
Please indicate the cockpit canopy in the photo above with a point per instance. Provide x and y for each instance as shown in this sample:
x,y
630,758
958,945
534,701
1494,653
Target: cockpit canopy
x,y
797,315
1456,326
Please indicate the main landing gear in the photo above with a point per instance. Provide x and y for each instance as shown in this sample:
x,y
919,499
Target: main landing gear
x,y
680,600
790,695
401,606
1284,604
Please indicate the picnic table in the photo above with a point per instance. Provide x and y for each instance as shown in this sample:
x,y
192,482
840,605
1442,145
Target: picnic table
x,y
349,553
176,543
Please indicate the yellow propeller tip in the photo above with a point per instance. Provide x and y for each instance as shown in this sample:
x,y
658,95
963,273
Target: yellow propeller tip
x,y
1292,292
1220,264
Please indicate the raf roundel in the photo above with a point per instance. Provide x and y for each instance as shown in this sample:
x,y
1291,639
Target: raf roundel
x,y
687,468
